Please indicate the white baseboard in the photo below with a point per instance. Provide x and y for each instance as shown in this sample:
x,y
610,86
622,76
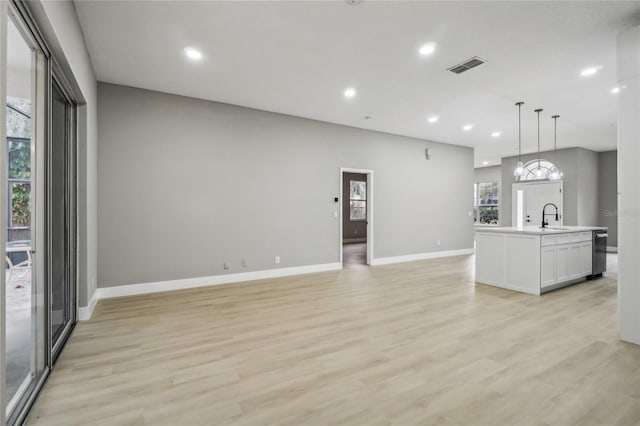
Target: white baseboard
x,y
420,256
611,249
84,314
156,287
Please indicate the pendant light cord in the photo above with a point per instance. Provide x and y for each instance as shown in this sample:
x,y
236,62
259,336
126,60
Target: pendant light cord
x,y
556,173
538,133
555,132
519,104
539,110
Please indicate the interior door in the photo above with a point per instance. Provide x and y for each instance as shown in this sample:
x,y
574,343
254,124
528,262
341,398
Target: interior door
x,y
530,198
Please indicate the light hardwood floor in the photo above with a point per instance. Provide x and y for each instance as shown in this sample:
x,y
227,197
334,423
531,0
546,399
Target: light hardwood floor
x,y
404,344
354,255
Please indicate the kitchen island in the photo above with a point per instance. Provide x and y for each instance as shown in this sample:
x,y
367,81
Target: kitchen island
x,y
534,260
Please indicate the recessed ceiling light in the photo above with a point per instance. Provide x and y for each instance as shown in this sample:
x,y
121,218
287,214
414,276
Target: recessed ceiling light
x,y
349,92
590,71
485,163
496,134
615,90
192,53
433,119
427,49
467,127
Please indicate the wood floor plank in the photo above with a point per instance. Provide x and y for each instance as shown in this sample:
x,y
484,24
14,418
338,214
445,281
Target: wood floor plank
x,y
407,344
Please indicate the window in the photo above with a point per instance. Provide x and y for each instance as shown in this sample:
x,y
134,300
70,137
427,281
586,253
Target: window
x,y
539,169
486,203
19,155
358,200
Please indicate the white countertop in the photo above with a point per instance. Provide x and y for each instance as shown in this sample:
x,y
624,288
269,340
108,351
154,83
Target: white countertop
x,y
534,230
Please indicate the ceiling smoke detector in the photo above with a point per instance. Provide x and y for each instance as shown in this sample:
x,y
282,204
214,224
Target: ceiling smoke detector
x,y
353,2
466,65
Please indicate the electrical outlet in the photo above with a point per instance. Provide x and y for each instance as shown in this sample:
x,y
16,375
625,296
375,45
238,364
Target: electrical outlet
x,y
244,263
438,242
226,265
277,260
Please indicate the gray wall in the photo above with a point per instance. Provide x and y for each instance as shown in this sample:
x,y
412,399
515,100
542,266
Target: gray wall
x,y
588,177
580,169
186,184
608,194
58,22
490,174
351,229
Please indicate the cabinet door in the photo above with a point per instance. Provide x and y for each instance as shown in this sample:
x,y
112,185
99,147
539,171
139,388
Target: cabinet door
x,y
547,266
562,263
575,261
586,257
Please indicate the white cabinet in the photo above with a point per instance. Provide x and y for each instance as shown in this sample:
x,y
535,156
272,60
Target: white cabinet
x,y
575,264
548,260
564,262
586,258
532,261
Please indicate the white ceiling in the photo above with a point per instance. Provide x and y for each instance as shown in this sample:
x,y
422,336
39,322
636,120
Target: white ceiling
x,y
297,58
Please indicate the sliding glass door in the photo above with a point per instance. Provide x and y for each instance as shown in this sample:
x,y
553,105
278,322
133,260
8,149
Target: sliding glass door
x,y
25,291
61,208
40,205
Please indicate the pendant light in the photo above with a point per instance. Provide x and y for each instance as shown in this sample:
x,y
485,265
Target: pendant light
x,y
555,173
538,172
519,171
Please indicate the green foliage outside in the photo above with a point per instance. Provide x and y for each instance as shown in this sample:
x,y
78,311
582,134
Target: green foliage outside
x,y
19,164
19,159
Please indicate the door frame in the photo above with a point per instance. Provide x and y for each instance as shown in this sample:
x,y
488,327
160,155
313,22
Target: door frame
x,y
50,68
369,174
57,78
14,411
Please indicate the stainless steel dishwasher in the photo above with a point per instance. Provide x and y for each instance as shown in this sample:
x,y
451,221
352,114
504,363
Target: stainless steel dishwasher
x,y
599,256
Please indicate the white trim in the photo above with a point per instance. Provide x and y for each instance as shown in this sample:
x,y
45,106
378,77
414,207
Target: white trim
x,y
611,249
182,284
84,313
421,256
369,240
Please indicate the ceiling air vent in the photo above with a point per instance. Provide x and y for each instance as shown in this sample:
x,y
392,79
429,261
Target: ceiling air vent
x,y
466,65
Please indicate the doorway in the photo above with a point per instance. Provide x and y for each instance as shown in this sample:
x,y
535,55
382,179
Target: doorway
x,y
530,198
356,217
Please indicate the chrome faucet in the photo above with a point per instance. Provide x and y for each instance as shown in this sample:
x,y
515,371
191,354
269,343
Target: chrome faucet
x,y
544,222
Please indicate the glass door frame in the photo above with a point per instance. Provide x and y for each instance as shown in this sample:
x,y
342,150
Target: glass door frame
x,y
71,206
41,181
40,356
